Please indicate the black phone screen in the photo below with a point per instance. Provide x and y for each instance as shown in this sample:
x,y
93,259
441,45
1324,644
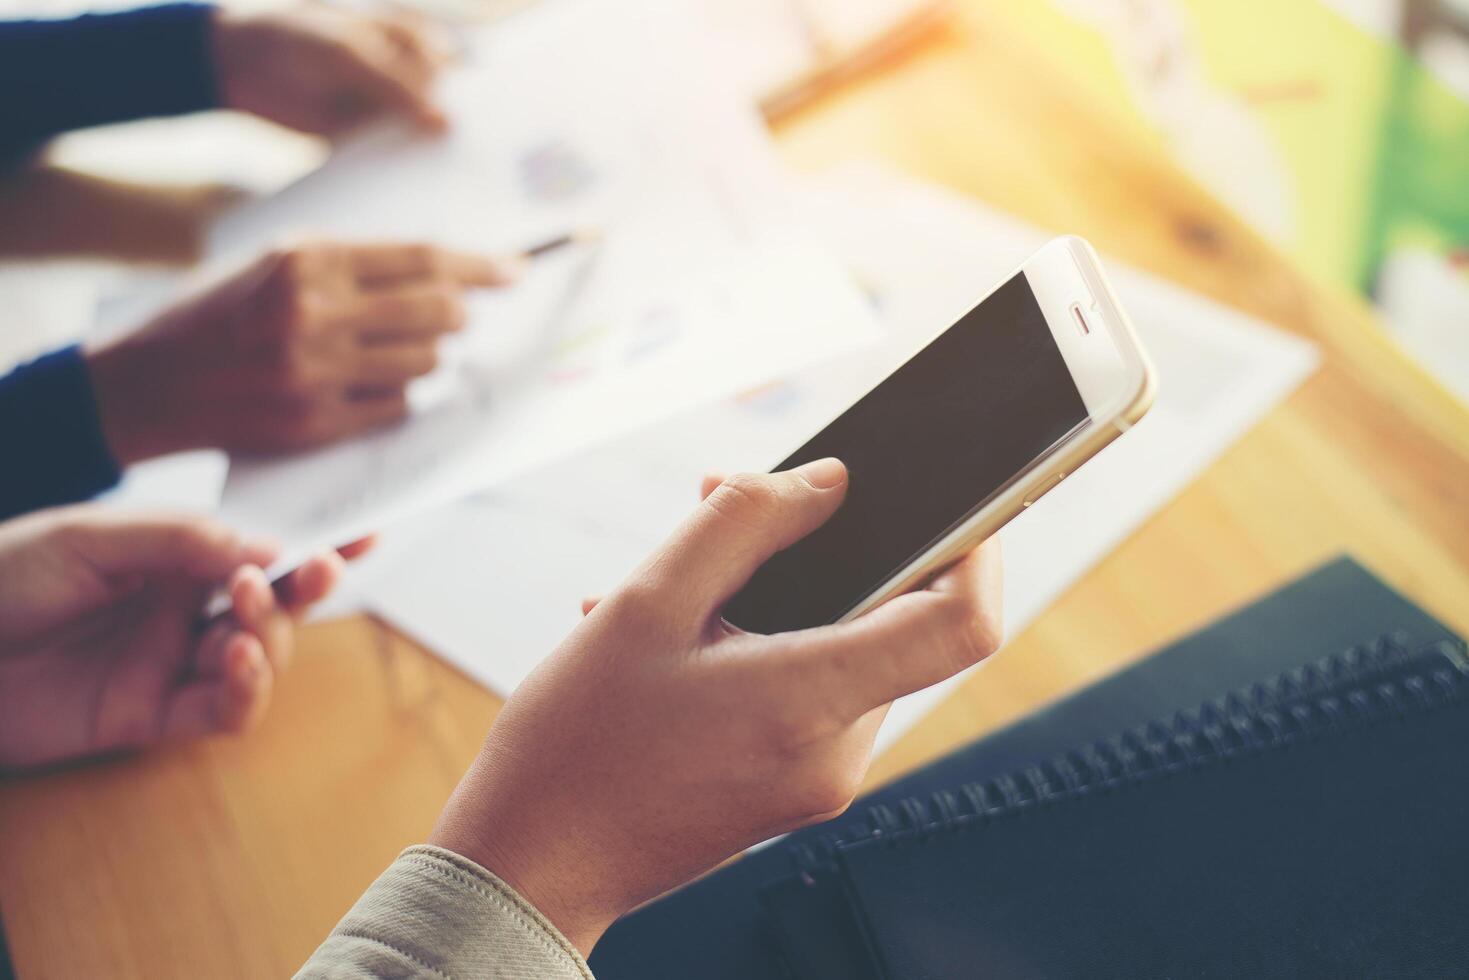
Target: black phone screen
x,y
925,449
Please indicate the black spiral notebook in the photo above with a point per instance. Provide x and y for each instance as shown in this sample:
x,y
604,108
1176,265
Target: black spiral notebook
x,y
1280,794
1312,826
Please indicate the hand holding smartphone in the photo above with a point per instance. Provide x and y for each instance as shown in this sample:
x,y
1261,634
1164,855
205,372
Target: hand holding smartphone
x,y
983,420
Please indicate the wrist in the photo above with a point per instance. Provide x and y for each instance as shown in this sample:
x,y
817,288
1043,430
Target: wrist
x,y
228,47
560,893
131,406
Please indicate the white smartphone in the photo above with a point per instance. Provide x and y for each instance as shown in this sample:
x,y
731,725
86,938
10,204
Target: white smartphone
x,y
984,419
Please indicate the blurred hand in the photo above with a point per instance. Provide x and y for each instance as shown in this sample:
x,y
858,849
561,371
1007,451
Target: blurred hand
x,y
322,69
100,644
307,346
658,740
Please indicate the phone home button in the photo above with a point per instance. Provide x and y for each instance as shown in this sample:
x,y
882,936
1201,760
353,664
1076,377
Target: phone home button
x,y
1044,488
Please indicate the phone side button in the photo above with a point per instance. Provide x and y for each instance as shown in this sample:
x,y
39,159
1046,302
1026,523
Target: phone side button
x,y
1043,489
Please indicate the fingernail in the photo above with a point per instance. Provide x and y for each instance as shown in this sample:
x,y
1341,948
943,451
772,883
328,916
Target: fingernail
x,y
824,474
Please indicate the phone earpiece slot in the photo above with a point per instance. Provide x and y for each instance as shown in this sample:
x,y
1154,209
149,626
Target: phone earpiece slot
x,y
1080,318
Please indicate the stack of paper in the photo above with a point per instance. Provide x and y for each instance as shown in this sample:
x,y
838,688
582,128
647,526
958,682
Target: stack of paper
x,y
698,286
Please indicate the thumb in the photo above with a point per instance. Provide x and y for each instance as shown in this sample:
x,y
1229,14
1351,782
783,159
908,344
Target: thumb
x,y
745,521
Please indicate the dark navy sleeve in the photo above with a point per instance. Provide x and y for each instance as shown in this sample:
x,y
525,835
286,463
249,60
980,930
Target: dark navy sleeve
x,y
58,75
52,450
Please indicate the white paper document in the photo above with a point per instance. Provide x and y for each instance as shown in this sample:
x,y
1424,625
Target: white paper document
x,y
494,583
569,117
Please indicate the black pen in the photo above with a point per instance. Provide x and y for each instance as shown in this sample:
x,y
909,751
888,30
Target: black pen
x,y
581,237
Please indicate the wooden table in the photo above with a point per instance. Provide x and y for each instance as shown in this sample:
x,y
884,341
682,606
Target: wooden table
x,y
235,858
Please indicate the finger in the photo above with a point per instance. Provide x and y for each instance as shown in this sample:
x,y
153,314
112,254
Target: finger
x,y
418,36
743,523
367,409
249,681
358,548
378,265
391,80
709,484
233,701
257,612
416,39
590,603
310,583
417,312
209,651
980,574
910,643
410,57
124,544
390,365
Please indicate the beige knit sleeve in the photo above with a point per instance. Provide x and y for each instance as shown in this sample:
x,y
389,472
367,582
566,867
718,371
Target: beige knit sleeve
x,y
434,914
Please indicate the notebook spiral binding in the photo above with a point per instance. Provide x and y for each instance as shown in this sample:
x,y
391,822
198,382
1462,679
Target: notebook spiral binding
x,y
1379,680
